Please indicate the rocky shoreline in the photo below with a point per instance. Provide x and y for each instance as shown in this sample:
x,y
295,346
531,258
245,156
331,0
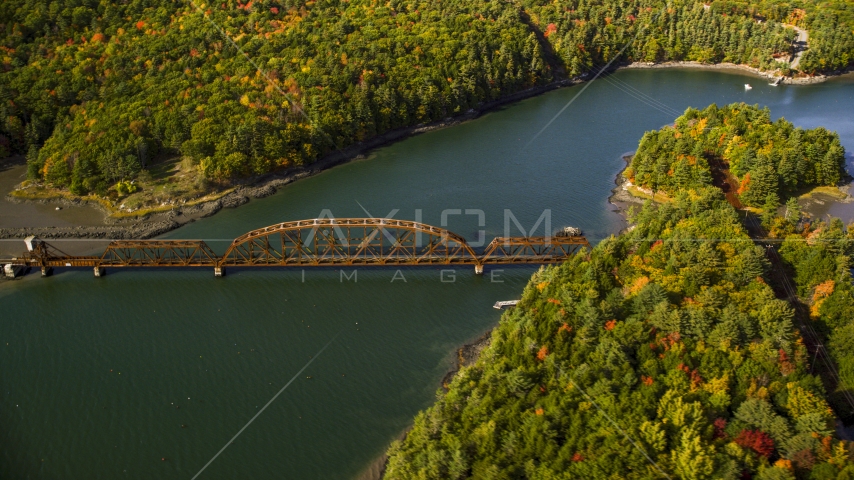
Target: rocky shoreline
x,y
620,196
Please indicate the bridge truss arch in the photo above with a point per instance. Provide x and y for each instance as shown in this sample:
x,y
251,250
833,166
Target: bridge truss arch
x,y
349,241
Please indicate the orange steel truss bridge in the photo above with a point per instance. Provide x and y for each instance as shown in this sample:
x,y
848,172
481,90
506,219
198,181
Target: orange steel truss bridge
x,y
319,242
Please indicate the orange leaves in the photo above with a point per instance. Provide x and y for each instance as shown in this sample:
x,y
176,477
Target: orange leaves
x,y
550,29
539,411
745,184
610,324
577,457
669,340
140,25
274,10
647,380
564,328
554,301
822,291
543,353
638,285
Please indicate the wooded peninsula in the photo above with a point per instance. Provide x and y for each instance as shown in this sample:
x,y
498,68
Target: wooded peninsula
x,y
671,350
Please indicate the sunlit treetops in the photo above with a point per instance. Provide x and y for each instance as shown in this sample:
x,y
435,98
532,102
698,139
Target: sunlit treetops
x,y
334,72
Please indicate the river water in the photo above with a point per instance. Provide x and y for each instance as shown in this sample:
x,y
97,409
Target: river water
x,y
148,374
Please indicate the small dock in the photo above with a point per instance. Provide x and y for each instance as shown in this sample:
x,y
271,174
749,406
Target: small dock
x,y
505,304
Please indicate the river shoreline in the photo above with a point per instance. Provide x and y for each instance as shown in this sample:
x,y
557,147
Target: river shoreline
x,y
154,224
739,68
467,355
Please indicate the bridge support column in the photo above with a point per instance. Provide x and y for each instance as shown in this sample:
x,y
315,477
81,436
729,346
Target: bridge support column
x,y
219,271
47,271
12,271
478,269
100,272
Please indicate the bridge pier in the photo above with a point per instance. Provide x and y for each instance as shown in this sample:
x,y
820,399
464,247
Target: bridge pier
x,y
47,271
100,272
219,271
478,269
12,271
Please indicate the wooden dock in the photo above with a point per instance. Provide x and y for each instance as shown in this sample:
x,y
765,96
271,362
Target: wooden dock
x,y
505,304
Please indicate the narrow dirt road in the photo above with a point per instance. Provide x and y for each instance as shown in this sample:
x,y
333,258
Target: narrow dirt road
x,y
800,44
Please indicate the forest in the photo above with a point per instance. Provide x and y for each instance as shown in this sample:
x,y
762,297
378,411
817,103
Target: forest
x,y
662,353
669,350
818,255
95,93
763,162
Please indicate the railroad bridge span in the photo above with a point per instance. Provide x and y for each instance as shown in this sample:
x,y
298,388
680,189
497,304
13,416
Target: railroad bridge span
x,y
320,242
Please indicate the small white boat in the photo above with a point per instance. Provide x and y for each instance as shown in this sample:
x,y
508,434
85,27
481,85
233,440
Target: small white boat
x,y
747,86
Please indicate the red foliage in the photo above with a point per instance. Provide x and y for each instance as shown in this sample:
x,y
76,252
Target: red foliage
x,y
647,380
756,440
577,457
786,365
554,301
274,10
140,24
655,245
720,425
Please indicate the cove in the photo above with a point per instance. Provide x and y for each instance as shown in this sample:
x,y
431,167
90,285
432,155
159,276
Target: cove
x,y
99,376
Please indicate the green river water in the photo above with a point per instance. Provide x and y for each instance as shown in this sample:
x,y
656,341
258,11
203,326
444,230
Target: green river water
x,y
99,375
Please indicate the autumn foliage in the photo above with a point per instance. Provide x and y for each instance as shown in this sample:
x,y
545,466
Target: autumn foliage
x,y
756,440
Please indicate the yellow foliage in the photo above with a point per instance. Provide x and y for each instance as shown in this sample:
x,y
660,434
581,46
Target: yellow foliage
x,y
754,391
717,385
802,402
698,128
542,285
